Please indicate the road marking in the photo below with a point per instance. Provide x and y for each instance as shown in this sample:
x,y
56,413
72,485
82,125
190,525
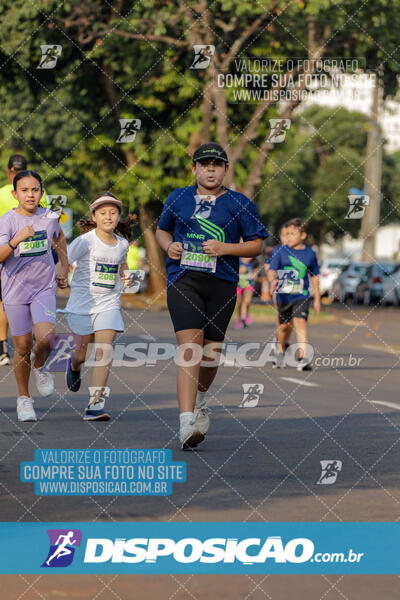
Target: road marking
x,y
389,350
389,404
353,323
301,381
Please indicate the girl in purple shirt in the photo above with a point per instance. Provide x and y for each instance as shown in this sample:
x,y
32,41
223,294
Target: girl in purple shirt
x,y
28,284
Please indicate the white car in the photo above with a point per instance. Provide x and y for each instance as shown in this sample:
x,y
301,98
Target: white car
x,y
391,288
330,271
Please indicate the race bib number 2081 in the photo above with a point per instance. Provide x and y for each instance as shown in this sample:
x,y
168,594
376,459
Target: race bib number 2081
x,y
35,245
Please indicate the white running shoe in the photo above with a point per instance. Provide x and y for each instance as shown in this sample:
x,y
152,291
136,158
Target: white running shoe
x,y
4,359
202,419
44,382
190,435
25,410
279,361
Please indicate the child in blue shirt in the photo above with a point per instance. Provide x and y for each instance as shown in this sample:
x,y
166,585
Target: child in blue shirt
x,y
289,272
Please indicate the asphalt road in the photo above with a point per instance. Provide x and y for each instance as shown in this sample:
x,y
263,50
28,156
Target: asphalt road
x,y
259,463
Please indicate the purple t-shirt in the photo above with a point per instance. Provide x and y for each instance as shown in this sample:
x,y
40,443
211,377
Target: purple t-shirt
x,y
30,268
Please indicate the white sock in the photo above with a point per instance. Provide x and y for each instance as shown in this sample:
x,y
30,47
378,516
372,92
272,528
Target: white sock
x,y
186,417
200,399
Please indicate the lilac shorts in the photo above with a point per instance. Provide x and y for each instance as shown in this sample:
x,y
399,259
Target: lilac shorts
x,y
42,309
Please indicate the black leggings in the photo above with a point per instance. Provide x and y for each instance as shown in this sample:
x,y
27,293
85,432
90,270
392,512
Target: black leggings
x,y
202,301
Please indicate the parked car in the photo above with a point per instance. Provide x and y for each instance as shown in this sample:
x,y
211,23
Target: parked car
x,y
391,288
330,270
344,287
370,288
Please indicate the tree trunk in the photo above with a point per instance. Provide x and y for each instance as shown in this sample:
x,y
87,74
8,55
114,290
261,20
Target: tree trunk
x,y
149,214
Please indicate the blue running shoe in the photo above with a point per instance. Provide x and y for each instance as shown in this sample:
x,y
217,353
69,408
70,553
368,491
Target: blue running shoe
x,y
73,378
95,411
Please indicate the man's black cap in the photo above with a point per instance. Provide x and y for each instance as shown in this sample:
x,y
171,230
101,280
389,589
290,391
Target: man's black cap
x,y
17,162
210,150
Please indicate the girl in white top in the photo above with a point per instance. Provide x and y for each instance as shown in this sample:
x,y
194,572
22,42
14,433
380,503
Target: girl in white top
x,y
93,308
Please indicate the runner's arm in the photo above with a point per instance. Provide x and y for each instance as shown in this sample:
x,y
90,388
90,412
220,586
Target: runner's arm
x,y
166,241
317,294
6,250
272,279
61,270
245,249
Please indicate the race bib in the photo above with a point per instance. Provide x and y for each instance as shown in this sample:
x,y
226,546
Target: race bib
x,y
289,282
104,276
35,245
198,261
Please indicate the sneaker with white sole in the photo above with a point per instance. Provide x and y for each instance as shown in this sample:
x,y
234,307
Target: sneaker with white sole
x,y
279,361
190,435
25,411
304,365
202,419
44,382
95,410
4,359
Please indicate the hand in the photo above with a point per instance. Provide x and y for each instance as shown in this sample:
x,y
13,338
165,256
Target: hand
x,y
61,275
25,233
317,306
127,279
213,247
175,250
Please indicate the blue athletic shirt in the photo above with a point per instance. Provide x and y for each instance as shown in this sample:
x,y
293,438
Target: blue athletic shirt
x,y
273,251
194,220
293,267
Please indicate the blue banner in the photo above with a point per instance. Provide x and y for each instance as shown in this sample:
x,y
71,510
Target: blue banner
x,y
224,548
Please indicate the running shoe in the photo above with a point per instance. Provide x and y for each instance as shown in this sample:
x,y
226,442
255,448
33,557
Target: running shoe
x,y
73,378
4,356
239,324
201,419
4,359
304,365
190,435
25,411
279,361
44,382
95,410
248,320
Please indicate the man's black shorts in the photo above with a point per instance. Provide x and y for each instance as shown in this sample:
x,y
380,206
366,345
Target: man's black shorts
x,y
297,309
202,301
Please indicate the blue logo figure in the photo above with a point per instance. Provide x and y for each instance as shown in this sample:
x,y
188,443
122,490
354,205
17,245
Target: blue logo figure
x,y
62,542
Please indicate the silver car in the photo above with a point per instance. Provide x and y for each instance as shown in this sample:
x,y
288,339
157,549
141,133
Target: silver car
x,y
345,286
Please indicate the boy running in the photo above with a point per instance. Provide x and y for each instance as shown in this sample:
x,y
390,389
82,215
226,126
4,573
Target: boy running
x,y
288,272
200,230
